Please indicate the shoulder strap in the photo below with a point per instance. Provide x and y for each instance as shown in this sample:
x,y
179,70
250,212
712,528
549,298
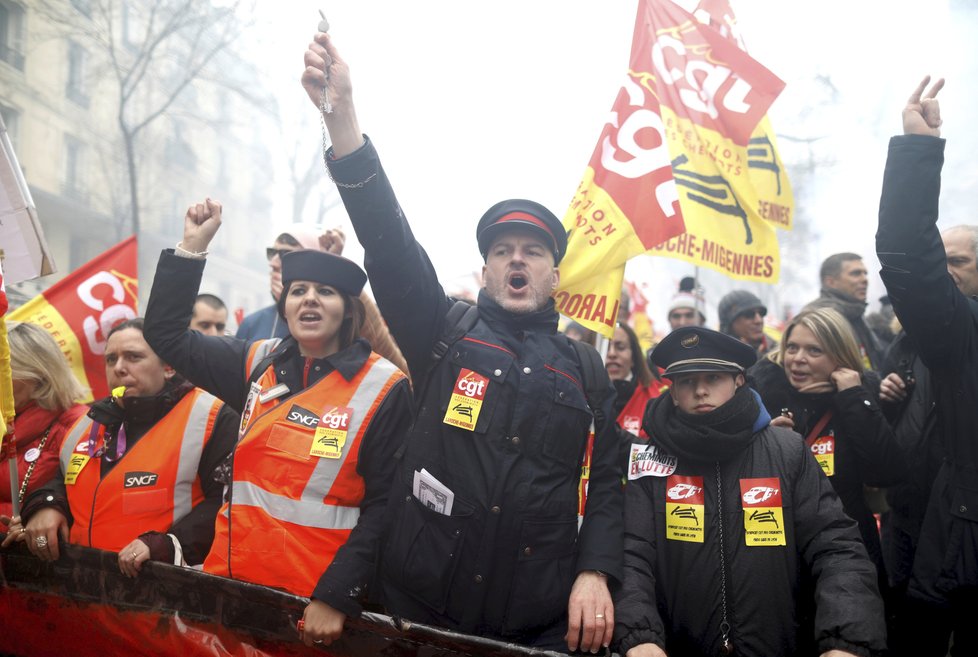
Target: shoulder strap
x,y
459,320
594,375
258,370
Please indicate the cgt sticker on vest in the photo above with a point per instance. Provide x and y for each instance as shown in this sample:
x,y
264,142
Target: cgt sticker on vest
x,y
685,500
140,479
331,433
650,461
466,402
824,450
763,513
76,464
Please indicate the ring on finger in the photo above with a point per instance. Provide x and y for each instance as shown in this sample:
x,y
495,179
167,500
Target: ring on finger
x,y
601,616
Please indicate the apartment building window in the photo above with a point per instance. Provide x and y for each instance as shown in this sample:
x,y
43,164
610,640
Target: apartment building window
x,y
77,65
11,119
12,34
74,167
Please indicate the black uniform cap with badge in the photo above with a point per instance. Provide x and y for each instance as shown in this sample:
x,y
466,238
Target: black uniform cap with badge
x,y
520,213
698,349
320,267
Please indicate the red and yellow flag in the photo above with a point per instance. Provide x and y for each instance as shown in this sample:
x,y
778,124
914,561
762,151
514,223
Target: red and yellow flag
x,y
80,309
732,187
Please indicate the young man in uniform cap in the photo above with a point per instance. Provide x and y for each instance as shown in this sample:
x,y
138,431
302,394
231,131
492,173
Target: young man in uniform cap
x,y
502,419
694,585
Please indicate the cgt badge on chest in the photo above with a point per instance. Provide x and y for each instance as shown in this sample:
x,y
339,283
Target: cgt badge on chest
x,y
763,513
466,402
684,508
823,448
76,464
331,433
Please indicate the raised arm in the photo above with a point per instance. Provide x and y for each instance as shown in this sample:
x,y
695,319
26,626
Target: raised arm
x,y
215,364
914,266
402,278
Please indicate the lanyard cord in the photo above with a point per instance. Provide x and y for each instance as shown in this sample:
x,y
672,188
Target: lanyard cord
x,y
30,468
727,647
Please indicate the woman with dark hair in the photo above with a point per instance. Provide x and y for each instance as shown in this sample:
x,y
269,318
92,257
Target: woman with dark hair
x,y
321,419
634,382
137,474
815,384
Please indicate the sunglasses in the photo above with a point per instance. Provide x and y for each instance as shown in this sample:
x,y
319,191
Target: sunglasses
x,y
751,314
271,252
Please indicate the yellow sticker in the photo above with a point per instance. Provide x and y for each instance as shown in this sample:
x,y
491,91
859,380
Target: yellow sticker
x,y
466,402
824,451
75,465
684,508
331,433
763,515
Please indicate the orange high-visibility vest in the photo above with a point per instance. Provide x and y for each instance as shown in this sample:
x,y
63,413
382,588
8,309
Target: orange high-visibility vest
x,y
153,485
289,511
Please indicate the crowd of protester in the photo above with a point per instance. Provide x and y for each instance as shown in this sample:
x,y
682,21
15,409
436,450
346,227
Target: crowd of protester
x,y
468,465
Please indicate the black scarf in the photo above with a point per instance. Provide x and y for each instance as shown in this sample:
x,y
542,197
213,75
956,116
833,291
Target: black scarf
x,y
509,324
624,389
850,307
715,436
139,413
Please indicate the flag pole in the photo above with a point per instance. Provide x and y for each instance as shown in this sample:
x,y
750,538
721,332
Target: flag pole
x,y
7,411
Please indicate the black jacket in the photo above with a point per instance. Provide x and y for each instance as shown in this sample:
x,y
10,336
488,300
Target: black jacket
x,y
914,422
217,364
503,563
672,594
944,325
865,449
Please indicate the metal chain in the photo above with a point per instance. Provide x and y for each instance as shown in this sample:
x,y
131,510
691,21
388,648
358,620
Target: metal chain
x,y
30,468
324,108
727,647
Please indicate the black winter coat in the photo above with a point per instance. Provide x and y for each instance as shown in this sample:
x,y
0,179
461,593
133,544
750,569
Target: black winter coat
x,y
944,325
502,564
866,452
672,595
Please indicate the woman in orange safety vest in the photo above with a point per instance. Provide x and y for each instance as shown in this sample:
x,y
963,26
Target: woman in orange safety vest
x,y
321,419
136,474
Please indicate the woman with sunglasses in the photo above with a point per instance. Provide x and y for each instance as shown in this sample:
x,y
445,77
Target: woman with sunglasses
x,y
321,419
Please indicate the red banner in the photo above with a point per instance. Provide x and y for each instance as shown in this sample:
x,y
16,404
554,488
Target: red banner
x,y
80,309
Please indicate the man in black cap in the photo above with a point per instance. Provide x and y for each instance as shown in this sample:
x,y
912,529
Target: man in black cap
x,y
694,585
484,535
742,316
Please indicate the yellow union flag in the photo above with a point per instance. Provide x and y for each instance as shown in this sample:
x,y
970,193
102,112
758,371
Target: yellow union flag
x,y
714,98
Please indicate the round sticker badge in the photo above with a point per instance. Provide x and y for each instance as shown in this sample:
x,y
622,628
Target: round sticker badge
x,y
32,454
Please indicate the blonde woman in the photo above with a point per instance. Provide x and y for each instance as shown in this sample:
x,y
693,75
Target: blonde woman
x,y
45,398
815,384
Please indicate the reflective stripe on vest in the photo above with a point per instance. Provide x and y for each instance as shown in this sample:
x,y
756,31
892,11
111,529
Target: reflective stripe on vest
x,y
301,512
104,505
257,353
286,506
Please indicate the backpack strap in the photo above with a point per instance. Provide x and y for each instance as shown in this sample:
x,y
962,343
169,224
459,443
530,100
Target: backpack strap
x,y
459,320
595,377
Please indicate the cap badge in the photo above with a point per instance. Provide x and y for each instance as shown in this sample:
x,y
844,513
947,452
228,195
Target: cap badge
x,y
690,342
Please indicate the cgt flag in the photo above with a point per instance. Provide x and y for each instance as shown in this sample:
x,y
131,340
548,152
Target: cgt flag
x,y
714,98
80,309
626,202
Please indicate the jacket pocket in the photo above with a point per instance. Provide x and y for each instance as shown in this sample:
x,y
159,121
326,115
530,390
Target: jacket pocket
x,y
543,575
421,553
567,429
136,503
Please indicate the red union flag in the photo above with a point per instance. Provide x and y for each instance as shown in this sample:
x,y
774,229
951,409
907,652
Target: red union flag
x,y
80,309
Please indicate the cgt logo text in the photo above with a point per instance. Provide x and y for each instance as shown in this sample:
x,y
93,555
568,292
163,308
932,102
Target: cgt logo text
x,y
759,494
140,479
682,491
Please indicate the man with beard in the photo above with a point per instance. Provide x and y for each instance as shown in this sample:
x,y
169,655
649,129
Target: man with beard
x,y
723,515
483,535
